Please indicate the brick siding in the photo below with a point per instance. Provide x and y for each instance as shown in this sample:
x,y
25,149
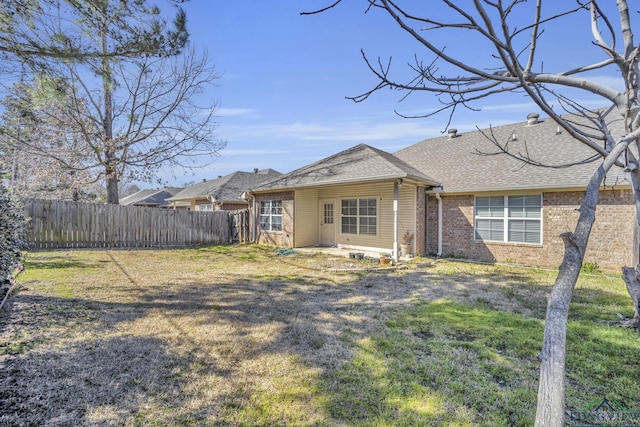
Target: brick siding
x,y
610,244
282,238
231,206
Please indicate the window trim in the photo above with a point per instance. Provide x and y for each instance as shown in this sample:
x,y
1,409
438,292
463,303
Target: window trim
x,y
358,216
505,218
270,215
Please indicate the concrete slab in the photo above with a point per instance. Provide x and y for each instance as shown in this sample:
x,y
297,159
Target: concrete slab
x,y
333,251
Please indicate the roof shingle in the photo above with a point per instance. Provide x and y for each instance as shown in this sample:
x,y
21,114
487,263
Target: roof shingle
x,y
357,164
228,188
150,197
469,163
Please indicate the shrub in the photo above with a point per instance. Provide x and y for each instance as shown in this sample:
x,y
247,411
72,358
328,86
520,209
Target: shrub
x,y
11,234
591,267
407,238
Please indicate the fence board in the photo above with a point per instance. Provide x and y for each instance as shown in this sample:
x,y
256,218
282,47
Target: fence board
x,y
58,224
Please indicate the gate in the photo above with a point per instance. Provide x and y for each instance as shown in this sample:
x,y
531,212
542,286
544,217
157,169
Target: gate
x,y
239,226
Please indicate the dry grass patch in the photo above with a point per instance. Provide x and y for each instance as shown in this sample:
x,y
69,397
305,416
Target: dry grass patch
x,y
234,336
174,337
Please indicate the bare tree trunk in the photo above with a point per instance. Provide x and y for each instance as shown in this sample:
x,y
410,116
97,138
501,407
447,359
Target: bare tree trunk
x,y
630,275
631,278
111,167
551,404
551,407
112,186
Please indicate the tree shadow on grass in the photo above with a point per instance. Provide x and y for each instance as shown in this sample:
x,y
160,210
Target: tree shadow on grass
x,y
441,363
92,382
62,262
264,349
62,364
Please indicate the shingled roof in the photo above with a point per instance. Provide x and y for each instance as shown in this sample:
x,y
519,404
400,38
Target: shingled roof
x,y
228,188
463,164
155,198
361,163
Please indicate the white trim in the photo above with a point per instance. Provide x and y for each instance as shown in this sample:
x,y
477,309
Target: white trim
x,y
321,216
358,216
506,219
396,192
271,215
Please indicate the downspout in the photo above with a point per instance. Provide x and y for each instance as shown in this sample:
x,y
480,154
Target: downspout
x,y
395,222
437,194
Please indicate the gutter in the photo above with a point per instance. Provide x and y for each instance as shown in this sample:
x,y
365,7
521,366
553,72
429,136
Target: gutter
x,y
385,178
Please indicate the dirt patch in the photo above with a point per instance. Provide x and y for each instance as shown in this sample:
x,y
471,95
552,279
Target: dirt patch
x,y
194,337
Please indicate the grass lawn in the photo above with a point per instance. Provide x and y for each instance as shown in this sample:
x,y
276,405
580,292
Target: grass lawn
x,y
240,336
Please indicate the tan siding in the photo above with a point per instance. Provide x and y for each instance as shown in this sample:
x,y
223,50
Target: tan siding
x,y
407,211
383,192
196,204
306,217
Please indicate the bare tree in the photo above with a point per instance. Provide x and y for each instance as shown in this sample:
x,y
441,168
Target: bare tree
x,y
133,95
154,118
39,148
510,35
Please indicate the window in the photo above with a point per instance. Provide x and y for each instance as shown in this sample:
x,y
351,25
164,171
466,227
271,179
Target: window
x,y
360,216
490,218
350,216
205,208
515,219
271,215
328,213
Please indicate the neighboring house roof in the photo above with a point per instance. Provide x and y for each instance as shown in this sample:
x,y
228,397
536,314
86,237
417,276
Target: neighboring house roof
x,y
357,164
459,165
150,197
228,188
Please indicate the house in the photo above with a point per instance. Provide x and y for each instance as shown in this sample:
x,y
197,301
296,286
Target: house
x,y
150,198
360,198
457,195
223,193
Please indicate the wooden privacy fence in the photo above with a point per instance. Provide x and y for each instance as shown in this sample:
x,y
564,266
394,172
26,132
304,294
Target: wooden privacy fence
x,y
63,224
239,226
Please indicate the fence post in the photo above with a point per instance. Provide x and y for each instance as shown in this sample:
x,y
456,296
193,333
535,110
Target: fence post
x,y
64,224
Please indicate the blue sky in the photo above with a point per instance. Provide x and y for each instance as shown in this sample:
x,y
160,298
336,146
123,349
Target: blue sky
x,y
285,77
